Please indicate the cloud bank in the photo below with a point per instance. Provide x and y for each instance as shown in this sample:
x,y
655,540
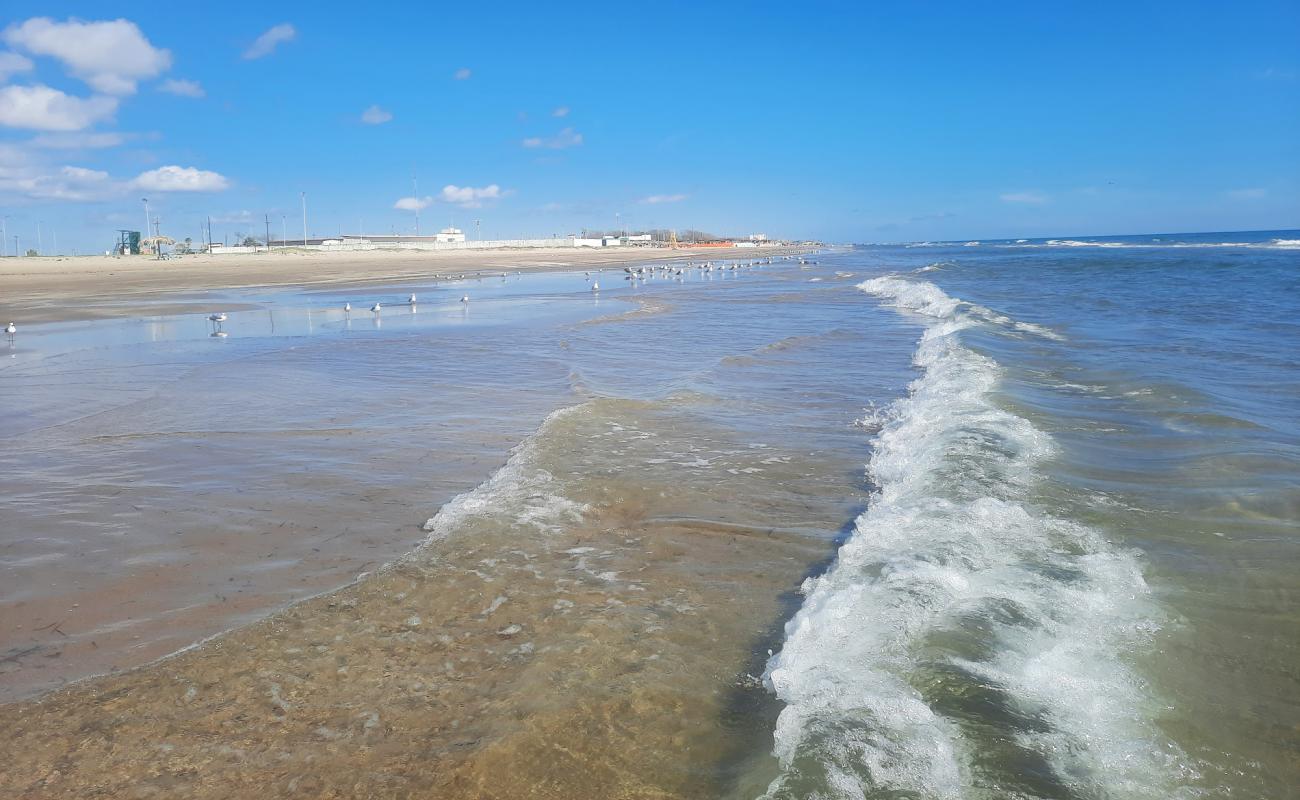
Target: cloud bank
x,y
110,56
41,108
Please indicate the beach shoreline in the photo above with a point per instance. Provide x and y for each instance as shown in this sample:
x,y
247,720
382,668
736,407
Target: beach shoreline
x,y
75,288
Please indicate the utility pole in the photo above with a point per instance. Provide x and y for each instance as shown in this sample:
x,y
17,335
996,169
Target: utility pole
x,y
478,230
415,195
40,243
284,231
304,219
145,200
267,217
4,235
209,233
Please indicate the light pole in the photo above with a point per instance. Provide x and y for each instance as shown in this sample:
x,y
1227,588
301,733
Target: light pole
x,y
478,230
40,243
415,195
284,231
4,235
304,219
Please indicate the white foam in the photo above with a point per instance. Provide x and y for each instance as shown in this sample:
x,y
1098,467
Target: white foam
x,y
520,493
925,298
951,538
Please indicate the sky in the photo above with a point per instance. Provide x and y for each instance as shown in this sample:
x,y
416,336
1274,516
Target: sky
x,y
837,121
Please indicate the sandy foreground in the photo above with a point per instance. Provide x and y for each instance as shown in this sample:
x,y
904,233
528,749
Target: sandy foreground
x,y
55,289
614,655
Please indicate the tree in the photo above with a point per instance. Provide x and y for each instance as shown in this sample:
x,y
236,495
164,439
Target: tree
x,y
249,241
32,254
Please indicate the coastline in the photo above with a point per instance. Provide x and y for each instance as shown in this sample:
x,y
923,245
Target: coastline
x,y
74,288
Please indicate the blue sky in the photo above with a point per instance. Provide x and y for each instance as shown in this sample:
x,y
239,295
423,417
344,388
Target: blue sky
x,y
840,121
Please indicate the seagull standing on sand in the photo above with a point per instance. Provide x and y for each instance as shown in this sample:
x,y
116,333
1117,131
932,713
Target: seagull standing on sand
x,y
411,300
347,308
218,318
376,308
595,287
465,299
10,330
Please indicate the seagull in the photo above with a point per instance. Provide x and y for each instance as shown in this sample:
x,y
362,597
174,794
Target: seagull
x,y
376,308
595,287
217,317
11,329
347,307
411,300
464,299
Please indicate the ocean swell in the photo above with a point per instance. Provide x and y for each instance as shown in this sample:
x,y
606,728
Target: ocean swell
x,y
967,642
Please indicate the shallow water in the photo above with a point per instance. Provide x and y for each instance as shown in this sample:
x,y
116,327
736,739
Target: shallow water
x,y
1065,571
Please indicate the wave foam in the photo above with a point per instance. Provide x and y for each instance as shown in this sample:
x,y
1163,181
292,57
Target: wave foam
x,y
955,587
519,493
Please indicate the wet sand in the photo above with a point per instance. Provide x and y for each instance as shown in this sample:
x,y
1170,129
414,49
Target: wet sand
x,y
590,622
596,635
95,287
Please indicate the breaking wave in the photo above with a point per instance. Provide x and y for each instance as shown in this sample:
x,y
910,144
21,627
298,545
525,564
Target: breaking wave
x,y
967,642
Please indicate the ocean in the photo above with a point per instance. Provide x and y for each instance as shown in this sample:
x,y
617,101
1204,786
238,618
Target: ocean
x,y
992,519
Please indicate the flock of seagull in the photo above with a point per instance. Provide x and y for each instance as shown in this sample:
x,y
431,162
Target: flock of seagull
x,y
634,274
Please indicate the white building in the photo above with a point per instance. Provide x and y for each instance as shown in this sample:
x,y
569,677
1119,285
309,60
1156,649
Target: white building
x,y
450,235
758,237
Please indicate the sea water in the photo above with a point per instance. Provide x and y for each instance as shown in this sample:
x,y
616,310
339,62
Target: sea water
x,y
1077,577
1006,519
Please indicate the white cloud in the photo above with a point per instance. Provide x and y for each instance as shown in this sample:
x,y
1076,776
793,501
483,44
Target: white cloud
x,y
413,203
655,199
109,55
1248,194
67,183
44,109
564,139
1027,198
375,116
78,141
469,196
180,179
562,111
244,217
182,88
12,64
462,74
265,44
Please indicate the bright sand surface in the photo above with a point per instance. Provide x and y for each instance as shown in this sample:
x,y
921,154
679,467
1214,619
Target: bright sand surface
x,y
93,287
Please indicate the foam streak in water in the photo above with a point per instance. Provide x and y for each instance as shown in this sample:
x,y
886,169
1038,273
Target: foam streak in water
x,y
520,492
967,643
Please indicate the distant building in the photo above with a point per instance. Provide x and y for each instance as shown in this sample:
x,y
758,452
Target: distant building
x,y
758,237
450,235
